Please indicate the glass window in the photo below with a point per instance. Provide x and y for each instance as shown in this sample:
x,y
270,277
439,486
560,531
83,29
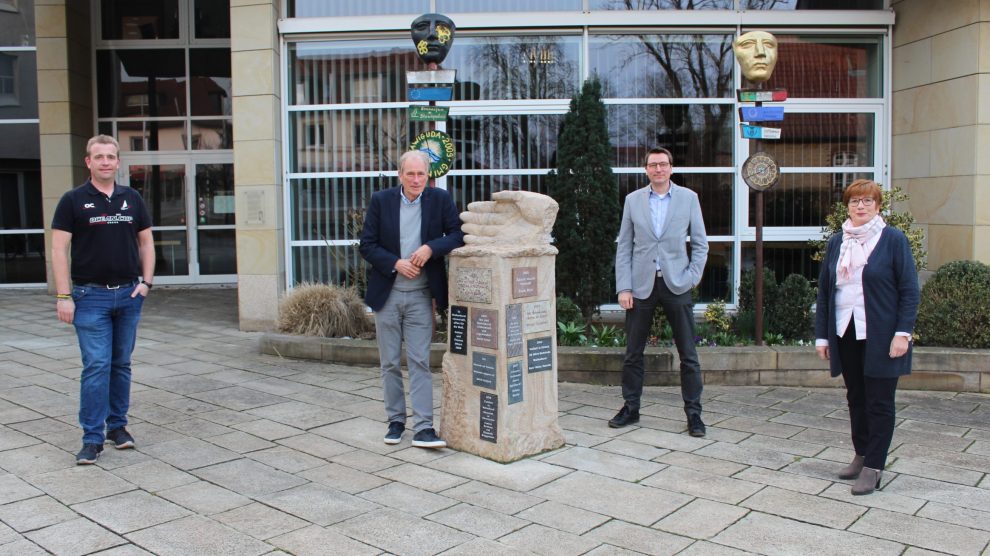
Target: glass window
x,y
332,208
662,4
139,19
17,23
812,4
141,83
22,258
696,134
211,19
369,139
349,71
211,135
465,6
18,85
814,66
523,67
152,135
716,280
209,82
837,139
171,253
21,194
19,143
663,66
784,258
801,199
329,264
217,252
163,188
215,194
505,142
322,8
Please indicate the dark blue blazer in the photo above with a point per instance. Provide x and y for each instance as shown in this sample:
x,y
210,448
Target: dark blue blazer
x,y
890,294
380,246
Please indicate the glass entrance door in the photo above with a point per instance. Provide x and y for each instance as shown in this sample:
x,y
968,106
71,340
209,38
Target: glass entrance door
x,y
192,213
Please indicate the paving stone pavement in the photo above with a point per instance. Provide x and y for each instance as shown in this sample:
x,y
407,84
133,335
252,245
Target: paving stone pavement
x,y
241,453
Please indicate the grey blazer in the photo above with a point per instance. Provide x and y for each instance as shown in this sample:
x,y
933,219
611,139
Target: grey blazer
x,y
639,249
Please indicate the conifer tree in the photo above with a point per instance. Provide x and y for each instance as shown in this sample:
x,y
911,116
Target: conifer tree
x,y
585,188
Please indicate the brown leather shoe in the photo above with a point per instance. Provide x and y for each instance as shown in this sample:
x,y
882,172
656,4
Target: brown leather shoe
x,y
852,470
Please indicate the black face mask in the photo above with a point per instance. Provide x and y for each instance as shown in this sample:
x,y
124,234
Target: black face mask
x,y
432,34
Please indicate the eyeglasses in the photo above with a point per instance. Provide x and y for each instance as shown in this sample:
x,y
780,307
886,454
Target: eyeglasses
x,y
655,165
866,202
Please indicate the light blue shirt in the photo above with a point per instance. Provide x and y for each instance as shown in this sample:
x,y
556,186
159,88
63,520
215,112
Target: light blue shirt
x,y
658,212
406,201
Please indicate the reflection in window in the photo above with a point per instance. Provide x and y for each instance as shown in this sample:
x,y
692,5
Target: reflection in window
x,y
663,66
800,199
139,19
212,19
716,280
211,135
325,209
152,135
662,4
163,188
359,140
505,142
827,67
784,258
8,77
21,194
171,255
22,258
141,83
333,264
696,134
813,139
217,252
215,194
322,8
714,193
344,71
209,82
526,67
812,4
465,6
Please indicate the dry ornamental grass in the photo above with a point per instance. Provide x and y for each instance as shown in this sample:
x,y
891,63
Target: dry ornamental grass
x,y
322,310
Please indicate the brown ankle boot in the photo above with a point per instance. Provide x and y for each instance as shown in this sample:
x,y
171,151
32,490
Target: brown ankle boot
x,y
868,481
852,470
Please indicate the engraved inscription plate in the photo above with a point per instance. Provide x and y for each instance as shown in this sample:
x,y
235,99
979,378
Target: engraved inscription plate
x,y
458,329
513,331
539,354
473,285
489,417
515,375
484,328
523,281
536,317
483,370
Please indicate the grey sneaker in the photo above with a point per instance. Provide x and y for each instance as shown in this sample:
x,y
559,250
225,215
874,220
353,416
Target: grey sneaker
x,y
120,438
89,454
427,438
394,434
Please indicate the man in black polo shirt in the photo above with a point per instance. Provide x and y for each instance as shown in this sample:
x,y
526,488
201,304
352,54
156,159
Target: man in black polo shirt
x,y
113,263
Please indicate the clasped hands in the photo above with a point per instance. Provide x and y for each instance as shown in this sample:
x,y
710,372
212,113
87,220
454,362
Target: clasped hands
x,y
410,267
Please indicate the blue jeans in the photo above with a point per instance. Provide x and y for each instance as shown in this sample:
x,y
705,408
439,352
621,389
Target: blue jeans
x,y
106,324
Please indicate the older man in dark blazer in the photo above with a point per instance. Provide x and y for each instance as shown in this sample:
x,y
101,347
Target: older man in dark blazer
x,y
407,232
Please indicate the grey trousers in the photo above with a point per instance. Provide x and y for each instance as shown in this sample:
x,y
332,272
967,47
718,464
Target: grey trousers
x,y
407,316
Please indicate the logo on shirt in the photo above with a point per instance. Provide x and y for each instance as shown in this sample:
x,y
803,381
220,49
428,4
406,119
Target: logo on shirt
x,y
110,219
89,205
124,206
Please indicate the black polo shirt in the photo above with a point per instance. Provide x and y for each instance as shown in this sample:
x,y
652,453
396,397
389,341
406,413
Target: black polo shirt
x,y
104,232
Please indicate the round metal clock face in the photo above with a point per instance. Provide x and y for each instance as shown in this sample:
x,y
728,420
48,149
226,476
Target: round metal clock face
x,y
760,171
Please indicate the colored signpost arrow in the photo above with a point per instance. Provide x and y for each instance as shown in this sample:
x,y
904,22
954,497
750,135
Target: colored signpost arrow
x,y
761,113
419,113
758,132
431,93
760,95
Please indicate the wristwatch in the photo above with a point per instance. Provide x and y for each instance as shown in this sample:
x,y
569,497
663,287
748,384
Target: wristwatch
x,y
146,283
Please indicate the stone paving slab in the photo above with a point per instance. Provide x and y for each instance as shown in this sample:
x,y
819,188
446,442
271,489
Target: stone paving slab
x,y
243,453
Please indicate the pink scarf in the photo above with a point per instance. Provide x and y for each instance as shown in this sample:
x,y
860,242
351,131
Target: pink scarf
x,y
852,254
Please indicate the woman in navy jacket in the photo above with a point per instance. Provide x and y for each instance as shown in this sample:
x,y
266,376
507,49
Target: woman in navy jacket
x,y
867,304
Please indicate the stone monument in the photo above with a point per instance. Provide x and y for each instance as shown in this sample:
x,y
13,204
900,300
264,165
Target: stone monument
x,y
500,369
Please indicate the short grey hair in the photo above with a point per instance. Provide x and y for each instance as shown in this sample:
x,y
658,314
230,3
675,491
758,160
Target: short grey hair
x,y
414,154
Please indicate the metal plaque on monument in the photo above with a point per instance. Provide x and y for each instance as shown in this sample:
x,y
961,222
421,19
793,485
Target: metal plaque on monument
x,y
500,390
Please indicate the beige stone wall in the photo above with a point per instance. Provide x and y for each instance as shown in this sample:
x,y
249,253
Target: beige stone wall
x,y
941,123
65,105
255,55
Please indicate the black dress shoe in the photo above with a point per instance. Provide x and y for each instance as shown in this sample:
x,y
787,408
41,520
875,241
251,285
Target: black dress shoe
x,y
624,417
696,427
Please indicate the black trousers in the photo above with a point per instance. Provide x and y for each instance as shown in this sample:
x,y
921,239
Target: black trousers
x,y
871,402
679,310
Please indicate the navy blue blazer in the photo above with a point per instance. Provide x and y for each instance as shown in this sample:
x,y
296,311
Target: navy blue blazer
x,y
380,246
890,294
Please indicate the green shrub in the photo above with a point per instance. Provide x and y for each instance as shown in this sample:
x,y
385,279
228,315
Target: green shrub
x,y
791,309
607,335
955,307
571,333
567,310
322,310
745,320
717,318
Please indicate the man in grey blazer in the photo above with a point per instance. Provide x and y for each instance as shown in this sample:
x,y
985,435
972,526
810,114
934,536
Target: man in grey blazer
x,y
653,267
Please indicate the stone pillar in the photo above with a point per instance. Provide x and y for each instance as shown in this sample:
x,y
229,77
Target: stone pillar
x,y
941,123
255,60
65,103
500,370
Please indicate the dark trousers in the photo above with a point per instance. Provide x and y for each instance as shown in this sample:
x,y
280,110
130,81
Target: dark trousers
x,y
679,310
871,402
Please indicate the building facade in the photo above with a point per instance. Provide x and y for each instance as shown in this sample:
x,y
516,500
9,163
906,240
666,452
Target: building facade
x,y
258,129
